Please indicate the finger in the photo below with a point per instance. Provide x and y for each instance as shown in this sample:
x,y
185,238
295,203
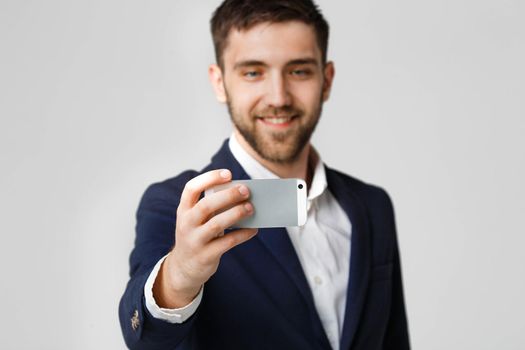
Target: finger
x,y
217,202
222,244
194,187
218,223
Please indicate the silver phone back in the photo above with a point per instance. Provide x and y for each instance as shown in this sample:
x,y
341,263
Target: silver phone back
x,y
274,202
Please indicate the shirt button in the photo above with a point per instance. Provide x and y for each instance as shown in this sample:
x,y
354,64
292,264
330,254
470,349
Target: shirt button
x,y
318,280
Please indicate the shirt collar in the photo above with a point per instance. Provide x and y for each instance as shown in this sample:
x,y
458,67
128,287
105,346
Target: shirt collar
x,y
257,171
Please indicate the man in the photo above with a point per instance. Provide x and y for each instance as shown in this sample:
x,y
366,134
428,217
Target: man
x,y
333,283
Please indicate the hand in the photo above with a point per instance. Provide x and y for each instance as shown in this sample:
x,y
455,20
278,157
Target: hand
x,y
199,237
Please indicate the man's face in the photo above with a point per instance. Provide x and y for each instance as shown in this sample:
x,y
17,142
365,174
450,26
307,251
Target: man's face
x,y
274,83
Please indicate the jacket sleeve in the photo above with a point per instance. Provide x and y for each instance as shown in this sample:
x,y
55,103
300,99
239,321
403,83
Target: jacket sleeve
x,y
396,336
155,236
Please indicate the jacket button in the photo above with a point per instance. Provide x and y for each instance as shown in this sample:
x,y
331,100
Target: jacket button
x,y
135,322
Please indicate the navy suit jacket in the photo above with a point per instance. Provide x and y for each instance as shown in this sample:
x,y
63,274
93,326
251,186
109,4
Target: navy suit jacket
x,y
259,297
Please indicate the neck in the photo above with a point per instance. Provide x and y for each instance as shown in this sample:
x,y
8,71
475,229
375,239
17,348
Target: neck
x,y
301,168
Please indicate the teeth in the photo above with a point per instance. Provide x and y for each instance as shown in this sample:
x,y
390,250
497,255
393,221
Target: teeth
x,y
277,120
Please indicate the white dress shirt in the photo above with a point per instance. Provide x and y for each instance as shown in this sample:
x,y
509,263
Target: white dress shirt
x,y
322,245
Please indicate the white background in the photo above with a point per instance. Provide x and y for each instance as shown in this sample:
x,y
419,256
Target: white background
x,y
98,99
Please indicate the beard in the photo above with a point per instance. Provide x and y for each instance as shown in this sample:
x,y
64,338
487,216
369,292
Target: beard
x,y
281,147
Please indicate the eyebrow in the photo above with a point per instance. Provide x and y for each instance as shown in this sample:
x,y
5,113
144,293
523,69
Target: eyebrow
x,y
251,63
303,61
248,63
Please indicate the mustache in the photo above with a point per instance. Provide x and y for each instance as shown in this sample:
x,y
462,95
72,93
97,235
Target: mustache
x,y
281,112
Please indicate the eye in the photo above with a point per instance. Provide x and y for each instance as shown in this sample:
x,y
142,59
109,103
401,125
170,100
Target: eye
x,y
251,74
301,73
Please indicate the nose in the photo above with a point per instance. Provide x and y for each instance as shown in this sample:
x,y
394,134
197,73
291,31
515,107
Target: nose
x,y
278,94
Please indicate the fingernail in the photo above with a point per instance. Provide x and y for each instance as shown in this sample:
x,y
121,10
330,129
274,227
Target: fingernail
x,y
225,174
243,190
248,207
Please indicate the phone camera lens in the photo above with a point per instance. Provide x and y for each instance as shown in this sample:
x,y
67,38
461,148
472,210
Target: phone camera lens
x,y
300,186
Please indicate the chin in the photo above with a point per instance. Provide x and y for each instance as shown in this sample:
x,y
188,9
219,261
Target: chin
x,y
279,155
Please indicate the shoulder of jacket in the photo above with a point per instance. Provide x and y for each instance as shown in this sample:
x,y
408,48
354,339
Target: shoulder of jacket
x,y
166,193
370,193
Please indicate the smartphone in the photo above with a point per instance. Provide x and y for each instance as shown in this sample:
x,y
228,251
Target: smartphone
x,y
276,202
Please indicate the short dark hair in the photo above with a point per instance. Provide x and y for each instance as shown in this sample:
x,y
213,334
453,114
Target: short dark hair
x,y
244,14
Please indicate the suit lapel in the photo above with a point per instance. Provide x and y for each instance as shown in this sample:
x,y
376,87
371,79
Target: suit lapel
x,y
360,254
278,244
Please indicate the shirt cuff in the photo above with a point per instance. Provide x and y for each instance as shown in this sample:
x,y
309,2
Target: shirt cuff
x,y
170,315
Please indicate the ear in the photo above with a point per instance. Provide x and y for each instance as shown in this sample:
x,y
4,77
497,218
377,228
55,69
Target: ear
x,y
329,72
217,82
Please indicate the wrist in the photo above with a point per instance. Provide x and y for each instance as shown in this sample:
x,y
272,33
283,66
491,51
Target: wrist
x,y
171,289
